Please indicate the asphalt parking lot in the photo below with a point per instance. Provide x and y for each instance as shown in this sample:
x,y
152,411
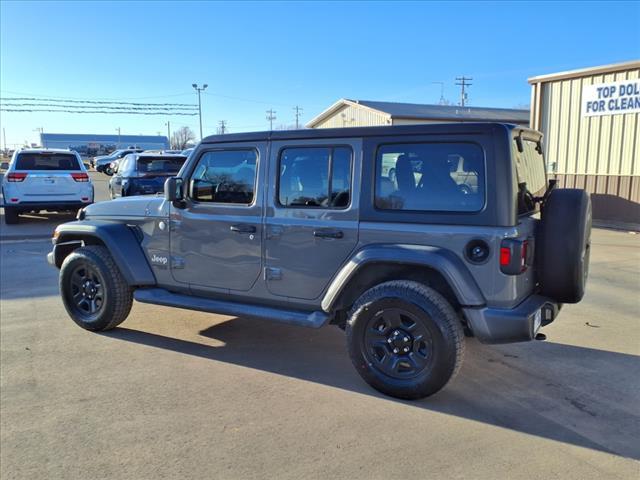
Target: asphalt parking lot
x,y
179,394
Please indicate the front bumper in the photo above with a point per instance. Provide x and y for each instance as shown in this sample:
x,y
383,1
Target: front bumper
x,y
509,325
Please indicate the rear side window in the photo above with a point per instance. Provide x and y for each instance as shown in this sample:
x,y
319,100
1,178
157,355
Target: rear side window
x,y
40,161
160,164
317,177
446,177
530,171
225,176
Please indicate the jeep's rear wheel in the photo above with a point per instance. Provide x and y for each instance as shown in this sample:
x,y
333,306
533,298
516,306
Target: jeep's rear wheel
x,y
405,339
94,292
11,216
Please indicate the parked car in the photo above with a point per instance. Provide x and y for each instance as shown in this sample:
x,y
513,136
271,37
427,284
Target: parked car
x,y
103,164
307,228
43,179
143,174
187,151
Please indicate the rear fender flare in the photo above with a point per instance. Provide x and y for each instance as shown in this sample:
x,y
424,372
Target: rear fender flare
x,y
453,270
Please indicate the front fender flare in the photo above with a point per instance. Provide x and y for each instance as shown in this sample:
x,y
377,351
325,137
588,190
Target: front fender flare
x,y
119,239
442,260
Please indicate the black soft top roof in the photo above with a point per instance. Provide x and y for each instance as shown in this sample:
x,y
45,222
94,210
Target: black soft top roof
x,y
311,133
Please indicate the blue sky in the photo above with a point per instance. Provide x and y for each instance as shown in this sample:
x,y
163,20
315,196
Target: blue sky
x,y
256,56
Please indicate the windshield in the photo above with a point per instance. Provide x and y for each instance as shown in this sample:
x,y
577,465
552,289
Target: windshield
x,y
160,164
530,171
47,161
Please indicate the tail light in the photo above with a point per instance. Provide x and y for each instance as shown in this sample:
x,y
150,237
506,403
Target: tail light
x,y
80,177
514,256
16,177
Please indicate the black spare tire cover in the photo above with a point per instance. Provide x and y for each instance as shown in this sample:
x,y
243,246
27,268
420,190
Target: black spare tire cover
x,y
563,245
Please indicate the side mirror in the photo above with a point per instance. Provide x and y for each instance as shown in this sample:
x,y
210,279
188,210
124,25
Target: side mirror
x,y
173,191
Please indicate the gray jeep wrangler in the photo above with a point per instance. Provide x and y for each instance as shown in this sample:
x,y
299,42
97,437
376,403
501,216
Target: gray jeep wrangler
x,y
407,237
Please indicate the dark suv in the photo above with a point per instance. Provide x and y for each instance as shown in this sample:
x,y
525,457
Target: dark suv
x,y
407,237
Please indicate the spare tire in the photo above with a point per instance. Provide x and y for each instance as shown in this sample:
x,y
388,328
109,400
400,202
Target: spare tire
x,y
563,244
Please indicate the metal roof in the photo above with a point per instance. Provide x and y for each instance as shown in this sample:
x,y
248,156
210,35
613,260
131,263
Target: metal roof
x,y
419,111
351,132
585,72
102,137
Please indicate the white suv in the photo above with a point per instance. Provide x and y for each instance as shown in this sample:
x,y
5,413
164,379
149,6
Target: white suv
x,y
45,179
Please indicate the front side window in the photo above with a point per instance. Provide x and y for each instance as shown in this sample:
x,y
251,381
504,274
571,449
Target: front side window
x,y
225,176
446,177
315,177
44,161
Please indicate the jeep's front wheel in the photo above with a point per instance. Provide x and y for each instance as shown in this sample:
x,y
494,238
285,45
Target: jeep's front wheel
x,y
405,339
94,292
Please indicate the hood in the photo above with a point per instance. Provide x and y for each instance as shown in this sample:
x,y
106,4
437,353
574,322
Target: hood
x,y
140,206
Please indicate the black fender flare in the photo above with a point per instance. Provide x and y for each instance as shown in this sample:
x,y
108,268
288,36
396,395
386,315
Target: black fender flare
x,y
442,260
118,238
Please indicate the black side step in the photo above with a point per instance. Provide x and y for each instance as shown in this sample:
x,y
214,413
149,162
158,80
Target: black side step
x,y
160,296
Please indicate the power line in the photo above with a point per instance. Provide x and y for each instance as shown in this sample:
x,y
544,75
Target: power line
x,y
2,109
105,107
99,98
298,113
96,102
463,82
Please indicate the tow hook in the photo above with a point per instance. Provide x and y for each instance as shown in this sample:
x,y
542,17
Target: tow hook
x,y
541,336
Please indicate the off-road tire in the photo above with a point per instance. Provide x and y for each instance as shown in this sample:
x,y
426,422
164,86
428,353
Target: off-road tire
x,y
563,245
117,295
428,308
11,216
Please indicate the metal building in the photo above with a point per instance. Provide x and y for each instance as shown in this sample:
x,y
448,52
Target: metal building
x,y
89,145
365,113
591,122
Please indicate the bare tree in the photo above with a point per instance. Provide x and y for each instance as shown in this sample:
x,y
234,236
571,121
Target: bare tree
x,y
181,138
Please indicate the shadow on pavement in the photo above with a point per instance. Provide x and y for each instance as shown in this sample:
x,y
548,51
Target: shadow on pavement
x,y
550,390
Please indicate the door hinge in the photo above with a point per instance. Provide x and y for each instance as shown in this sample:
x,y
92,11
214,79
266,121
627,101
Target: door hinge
x,y
271,273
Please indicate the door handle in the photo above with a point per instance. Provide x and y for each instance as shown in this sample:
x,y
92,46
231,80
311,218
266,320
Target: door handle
x,y
243,228
328,233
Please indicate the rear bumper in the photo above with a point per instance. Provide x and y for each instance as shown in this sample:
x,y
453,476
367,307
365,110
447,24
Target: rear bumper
x,y
52,206
509,325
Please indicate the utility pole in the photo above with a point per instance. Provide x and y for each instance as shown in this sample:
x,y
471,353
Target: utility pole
x,y
223,127
4,137
118,130
271,116
168,124
463,82
298,113
199,89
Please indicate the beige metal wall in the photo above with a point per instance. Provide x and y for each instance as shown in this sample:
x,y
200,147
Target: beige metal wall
x,y
599,153
354,116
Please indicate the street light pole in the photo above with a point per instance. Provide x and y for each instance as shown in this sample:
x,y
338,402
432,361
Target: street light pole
x,y
168,124
118,130
199,89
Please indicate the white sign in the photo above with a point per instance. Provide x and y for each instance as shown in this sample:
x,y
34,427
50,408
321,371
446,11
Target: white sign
x,y
611,98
